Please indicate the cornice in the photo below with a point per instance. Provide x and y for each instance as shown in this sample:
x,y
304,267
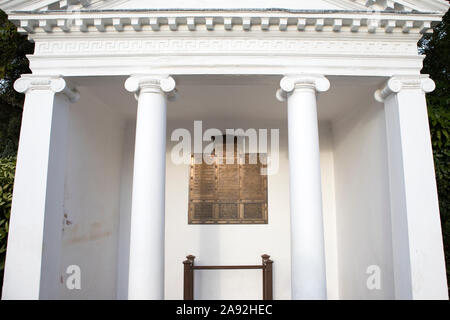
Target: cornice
x,y
49,5
224,20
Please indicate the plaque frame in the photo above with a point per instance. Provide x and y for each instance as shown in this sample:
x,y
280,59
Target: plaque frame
x,y
214,216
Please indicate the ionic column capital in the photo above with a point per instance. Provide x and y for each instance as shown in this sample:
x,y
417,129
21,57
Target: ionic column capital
x,y
399,83
55,83
289,83
151,83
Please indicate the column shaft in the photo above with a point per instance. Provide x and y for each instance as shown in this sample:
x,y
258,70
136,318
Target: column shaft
x,y
419,265
146,269
307,237
33,255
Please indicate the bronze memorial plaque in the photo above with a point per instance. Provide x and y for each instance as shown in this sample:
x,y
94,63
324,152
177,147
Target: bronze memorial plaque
x,y
228,193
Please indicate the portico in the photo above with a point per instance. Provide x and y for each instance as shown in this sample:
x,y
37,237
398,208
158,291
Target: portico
x,y
95,185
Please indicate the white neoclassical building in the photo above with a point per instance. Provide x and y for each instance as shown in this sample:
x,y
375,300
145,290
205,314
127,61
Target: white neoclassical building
x,y
102,211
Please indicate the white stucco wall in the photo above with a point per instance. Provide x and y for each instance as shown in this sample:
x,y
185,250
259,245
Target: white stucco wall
x,y
126,187
329,210
91,204
227,244
362,202
232,244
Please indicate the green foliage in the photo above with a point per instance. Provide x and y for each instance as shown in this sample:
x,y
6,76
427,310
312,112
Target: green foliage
x,y
439,115
7,170
437,48
13,62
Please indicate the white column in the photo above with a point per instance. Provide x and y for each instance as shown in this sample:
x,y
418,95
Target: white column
x,y
33,253
146,270
418,254
308,278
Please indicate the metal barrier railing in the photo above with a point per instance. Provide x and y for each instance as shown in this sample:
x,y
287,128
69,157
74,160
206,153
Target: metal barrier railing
x,y
266,268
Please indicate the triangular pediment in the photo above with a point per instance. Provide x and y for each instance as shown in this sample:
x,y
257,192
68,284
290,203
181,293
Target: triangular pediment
x,y
241,4
397,5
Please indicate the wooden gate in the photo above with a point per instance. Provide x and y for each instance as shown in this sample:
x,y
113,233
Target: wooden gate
x,y
189,269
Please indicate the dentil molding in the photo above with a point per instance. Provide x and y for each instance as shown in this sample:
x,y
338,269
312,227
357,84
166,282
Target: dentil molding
x,y
229,21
